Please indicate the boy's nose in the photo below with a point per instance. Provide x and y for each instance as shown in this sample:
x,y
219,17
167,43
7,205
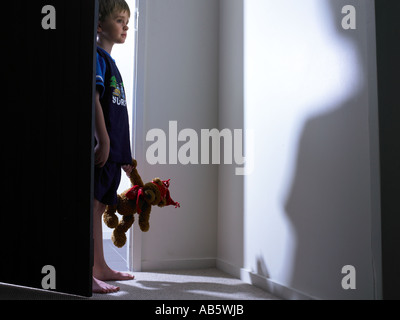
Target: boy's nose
x,y
126,28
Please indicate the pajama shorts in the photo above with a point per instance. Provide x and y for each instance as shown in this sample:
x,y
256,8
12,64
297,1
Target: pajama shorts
x,y
106,183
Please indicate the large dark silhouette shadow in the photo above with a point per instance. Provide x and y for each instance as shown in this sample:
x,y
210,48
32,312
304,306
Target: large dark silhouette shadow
x,y
329,200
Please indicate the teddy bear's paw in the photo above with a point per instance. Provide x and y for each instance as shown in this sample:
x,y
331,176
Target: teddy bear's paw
x,y
144,226
118,238
111,221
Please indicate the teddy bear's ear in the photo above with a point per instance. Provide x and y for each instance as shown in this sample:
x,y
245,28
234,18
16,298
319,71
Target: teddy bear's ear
x,y
162,203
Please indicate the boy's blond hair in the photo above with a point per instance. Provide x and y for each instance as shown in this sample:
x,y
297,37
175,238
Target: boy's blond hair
x,y
108,7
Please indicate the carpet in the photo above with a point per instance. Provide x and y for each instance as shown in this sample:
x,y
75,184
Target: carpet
x,y
203,284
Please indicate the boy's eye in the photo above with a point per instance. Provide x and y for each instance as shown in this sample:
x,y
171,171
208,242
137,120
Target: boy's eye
x,y
122,21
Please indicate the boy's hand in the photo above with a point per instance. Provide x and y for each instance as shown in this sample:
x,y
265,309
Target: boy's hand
x,y
101,153
128,169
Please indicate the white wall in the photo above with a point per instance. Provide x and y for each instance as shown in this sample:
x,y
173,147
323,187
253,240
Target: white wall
x,y
286,70
308,206
178,81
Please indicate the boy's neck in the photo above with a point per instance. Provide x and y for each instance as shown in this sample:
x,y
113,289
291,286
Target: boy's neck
x,y
106,45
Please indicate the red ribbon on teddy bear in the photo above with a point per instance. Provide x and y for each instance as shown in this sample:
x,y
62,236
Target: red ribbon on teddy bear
x,y
136,192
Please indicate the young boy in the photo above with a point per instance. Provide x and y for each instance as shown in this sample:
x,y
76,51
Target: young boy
x,y
112,149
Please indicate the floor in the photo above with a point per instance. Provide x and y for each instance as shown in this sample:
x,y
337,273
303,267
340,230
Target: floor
x,y
201,284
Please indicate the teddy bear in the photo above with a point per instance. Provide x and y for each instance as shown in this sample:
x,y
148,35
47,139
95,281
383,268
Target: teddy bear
x,y
138,199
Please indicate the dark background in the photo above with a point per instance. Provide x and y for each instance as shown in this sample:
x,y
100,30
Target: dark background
x,y
388,55
47,143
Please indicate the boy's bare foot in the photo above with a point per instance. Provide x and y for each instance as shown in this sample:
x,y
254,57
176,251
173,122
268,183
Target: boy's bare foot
x,y
102,287
107,274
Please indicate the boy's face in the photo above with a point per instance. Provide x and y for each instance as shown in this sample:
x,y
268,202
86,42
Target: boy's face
x,y
115,27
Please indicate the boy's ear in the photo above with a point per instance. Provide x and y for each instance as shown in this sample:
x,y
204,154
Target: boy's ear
x,y
99,27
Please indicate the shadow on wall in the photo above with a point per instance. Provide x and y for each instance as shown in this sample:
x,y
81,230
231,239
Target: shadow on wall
x,y
329,200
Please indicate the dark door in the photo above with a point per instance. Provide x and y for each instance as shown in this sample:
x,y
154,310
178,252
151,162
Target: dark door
x,y
388,53
47,142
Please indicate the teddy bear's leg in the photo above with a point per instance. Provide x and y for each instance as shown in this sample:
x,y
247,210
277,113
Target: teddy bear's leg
x,y
134,176
118,237
126,223
109,216
144,218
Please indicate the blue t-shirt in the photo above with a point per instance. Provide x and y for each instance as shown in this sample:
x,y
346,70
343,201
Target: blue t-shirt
x,y
113,102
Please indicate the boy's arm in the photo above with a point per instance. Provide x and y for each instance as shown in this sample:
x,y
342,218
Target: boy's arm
x,y
128,169
102,150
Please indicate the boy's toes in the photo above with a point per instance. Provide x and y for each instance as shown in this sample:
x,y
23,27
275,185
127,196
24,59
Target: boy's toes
x,y
102,287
